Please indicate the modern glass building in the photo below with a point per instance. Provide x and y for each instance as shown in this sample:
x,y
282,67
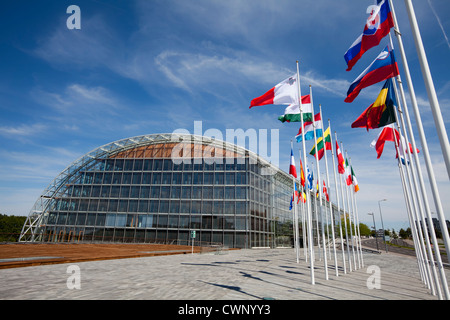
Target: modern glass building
x,y
159,188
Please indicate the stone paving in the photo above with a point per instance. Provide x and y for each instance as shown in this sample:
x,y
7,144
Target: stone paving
x,y
250,274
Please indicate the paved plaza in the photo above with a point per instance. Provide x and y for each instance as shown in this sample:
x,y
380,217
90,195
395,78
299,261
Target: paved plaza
x,y
232,275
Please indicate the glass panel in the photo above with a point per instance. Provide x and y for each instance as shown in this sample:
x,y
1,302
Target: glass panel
x,y
196,192
155,192
125,192
131,220
91,219
123,205
165,192
176,178
218,192
115,191
174,206
81,219
196,222
184,221
241,223
101,217
229,192
164,206
121,220
162,221
145,192
196,206
186,192
132,206
208,178
185,207
207,192
147,178
173,221
154,206
156,178
166,178
113,205
134,192
143,206
229,207
175,193
207,207
137,178
148,163
241,193
110,220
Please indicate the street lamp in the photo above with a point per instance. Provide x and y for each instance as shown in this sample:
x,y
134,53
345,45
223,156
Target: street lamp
x,y
375,228
382,225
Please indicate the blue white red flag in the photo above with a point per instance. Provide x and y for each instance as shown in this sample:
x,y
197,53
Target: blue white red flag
x,y
377,27
292,169
382,68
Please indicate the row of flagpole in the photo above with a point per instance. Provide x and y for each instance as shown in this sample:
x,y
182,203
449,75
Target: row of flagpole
x,y
411,176
415,193
416,199
323,212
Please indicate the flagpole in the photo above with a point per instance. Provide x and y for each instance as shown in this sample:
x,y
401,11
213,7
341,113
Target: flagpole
x,y
426,154
350,218
328,190
431,91
325,263
410,170
345,223
338,202
430,261
294,206
431,176
310,241
356,218
305,250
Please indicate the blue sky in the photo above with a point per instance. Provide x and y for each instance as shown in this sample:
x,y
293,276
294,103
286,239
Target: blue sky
x,y
142,67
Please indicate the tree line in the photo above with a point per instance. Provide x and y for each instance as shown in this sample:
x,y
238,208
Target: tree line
x,y
10,227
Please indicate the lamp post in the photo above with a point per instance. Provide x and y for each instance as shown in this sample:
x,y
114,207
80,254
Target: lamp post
x,y
382,225
374,227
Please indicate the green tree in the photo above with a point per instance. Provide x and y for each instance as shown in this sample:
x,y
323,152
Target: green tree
x,y
10,227
364,230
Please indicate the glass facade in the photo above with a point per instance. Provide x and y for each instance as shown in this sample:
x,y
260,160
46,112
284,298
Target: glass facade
x,y
143,193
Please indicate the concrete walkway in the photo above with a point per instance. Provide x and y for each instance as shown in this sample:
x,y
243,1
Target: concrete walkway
x,y
233,275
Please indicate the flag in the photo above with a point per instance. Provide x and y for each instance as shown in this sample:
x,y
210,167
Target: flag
x,y
341,161
309,177
348,173
377,27
292,169
382,68
296,194
303,197
387,134
302,174
323,143
381,112
317,189
354,181
325,191
309,129
292,111
286,92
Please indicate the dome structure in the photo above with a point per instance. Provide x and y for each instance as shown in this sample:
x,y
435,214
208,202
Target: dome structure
x,y
160,188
